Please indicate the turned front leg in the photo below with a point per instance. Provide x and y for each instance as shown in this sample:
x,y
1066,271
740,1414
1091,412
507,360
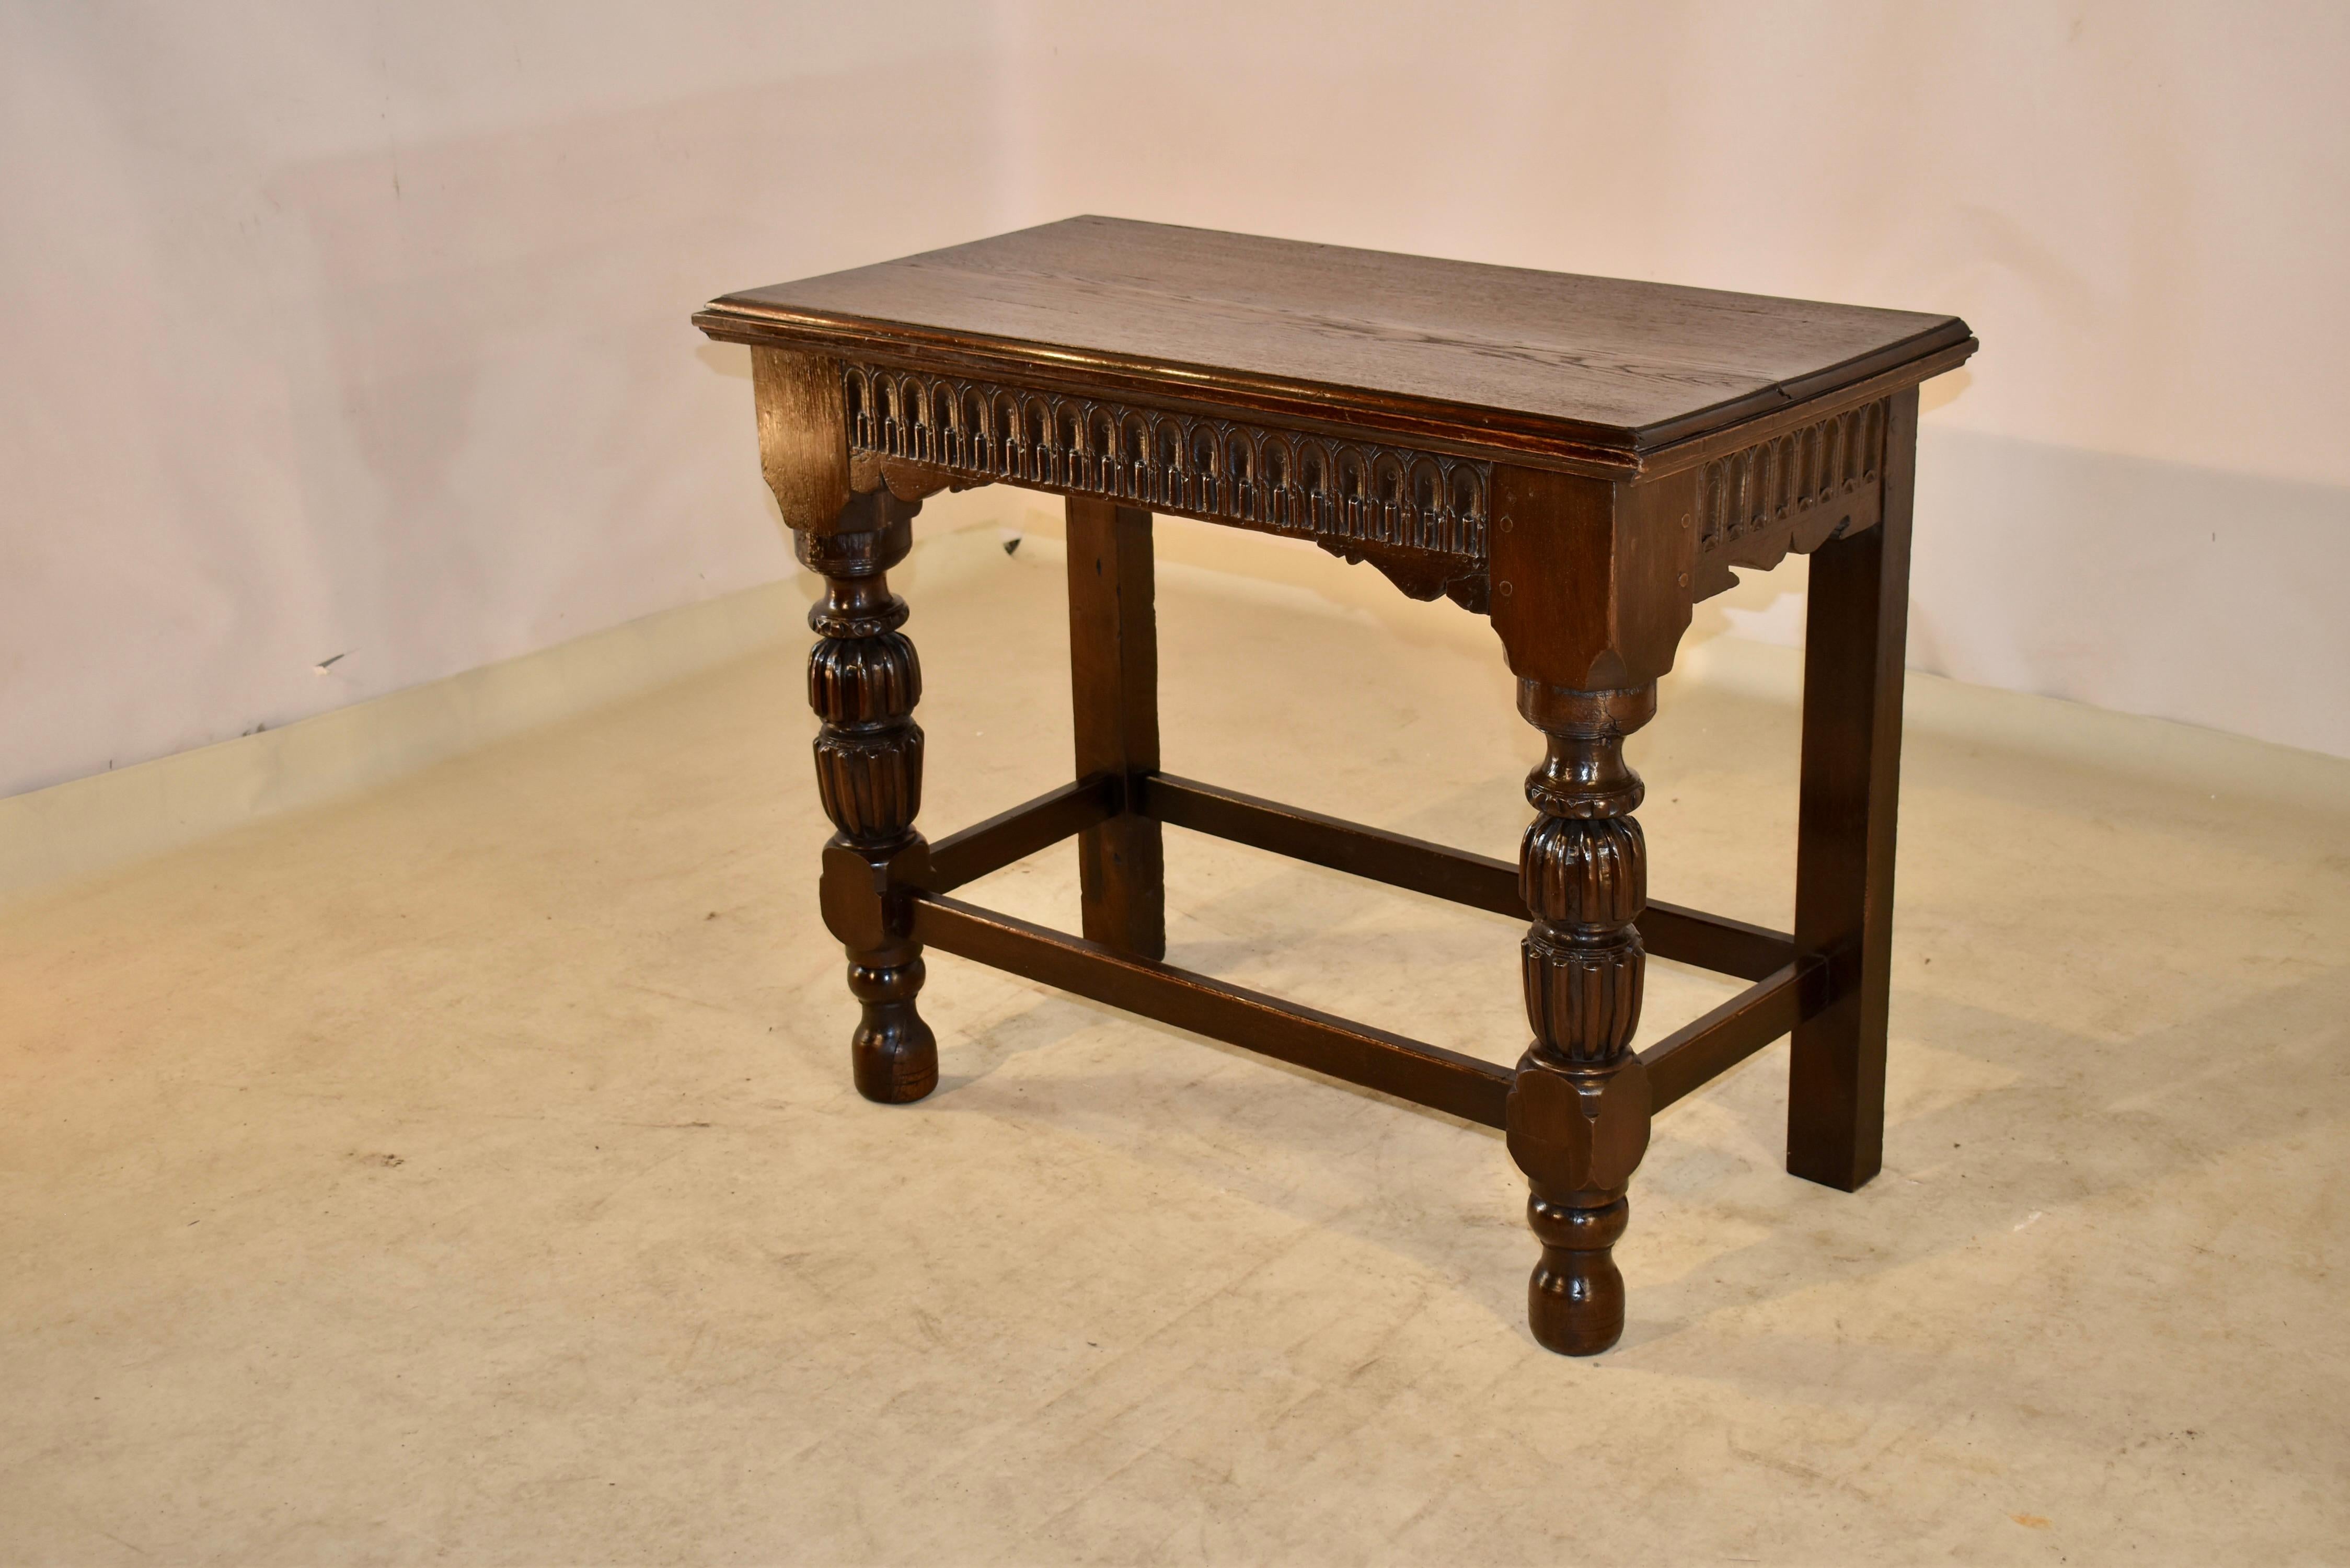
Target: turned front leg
x,y
863,682
1578,1112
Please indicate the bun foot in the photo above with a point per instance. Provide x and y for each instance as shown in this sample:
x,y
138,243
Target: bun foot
x,y
1574,1301
893,1055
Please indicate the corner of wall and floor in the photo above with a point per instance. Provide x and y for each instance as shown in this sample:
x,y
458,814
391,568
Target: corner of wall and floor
x,y
53,838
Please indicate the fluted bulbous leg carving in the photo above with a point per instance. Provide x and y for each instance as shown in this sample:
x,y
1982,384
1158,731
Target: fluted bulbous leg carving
x,y
863,682
1579,1108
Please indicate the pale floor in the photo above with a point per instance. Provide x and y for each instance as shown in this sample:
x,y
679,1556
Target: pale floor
x,y
471,1171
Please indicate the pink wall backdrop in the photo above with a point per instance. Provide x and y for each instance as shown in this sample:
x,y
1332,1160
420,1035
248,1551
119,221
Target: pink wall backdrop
x,y
360,331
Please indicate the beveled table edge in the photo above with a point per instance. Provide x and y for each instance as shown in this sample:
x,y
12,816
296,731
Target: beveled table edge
x,y
1435,424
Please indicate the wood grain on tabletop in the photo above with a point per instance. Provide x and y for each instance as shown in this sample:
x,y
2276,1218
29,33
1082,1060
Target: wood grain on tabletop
x,y
1628,364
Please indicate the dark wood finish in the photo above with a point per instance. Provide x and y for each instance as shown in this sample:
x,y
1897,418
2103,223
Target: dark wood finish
x,y
1856,633
1114,681
863,682
1706,1047
1452,875
1425,1074
1577,458
1479,881
803,438
1015,835
1420,516
1591,578
1499,360
1579,1109
1714,943
1793,488
1161,368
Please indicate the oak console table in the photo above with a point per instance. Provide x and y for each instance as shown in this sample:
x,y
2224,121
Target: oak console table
x,y
1578,459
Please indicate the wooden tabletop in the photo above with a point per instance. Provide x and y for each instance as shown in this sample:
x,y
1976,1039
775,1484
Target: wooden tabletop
x,y
1462,352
